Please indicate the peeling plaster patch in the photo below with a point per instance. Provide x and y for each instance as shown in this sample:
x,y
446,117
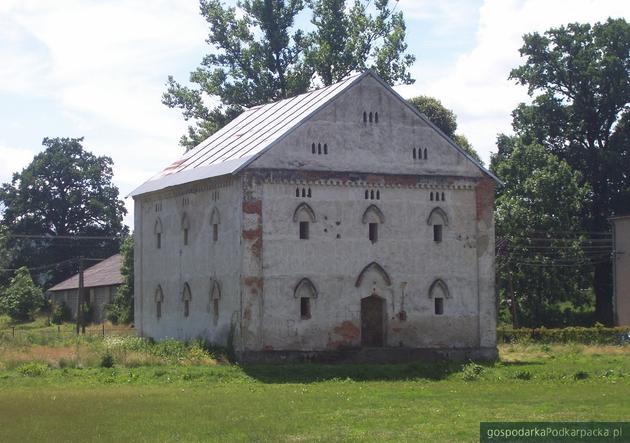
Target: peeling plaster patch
x,y
484,199
347,330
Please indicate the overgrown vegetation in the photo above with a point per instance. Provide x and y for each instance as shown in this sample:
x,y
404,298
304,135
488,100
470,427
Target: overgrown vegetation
x,y
121,308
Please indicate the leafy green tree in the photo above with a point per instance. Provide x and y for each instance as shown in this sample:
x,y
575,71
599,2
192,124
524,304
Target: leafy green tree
x,y
445,120
22,298
121,308
259,56
64,191
579,78
541,261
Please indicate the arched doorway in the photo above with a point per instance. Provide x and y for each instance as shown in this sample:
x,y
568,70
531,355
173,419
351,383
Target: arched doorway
x,y
372,321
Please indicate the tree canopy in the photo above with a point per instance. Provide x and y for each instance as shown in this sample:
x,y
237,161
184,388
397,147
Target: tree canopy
x,y
65,191
538,223
259,55
445,120
579,78
121,308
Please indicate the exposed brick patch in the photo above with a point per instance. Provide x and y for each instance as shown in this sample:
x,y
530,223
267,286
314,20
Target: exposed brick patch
x,y
484,199
267,348
347,330
255,284
252,207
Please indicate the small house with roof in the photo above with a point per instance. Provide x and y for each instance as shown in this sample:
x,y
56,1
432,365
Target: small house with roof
x,y
100,283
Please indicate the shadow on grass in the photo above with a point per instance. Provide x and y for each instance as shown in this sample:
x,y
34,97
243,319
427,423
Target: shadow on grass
x,y
522,363
314,372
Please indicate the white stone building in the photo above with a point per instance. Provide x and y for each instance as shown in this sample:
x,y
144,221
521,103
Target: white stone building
x,y
317,226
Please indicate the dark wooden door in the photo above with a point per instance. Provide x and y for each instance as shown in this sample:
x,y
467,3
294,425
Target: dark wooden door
x,y
372,321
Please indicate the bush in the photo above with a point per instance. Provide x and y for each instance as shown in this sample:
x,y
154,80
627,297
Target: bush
x,y
107,360
33,369
597,335
22,298
471,371
61,313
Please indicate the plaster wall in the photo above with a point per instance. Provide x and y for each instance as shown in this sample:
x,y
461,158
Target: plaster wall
x,y
352,145
198,263
338,249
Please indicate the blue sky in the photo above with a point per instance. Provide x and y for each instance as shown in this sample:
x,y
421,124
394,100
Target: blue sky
x,y
97,68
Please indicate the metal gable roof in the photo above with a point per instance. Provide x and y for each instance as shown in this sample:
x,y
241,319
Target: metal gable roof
x,y
104,273
254,131
244,138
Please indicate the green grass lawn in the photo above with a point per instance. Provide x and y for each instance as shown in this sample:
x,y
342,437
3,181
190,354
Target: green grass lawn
x,y
221,402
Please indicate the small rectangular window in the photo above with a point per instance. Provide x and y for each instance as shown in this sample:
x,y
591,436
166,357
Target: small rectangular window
x,y
185,236
159,240
186,308
305,308
215,232
373,232
304,230
439,306
437,233
158,309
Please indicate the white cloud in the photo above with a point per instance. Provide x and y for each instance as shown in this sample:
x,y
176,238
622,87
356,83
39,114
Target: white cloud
x,y
13,160
477,86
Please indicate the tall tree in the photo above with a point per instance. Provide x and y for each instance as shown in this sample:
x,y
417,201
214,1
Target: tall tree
x,y
445,120
259,56
541,260
64,191
579,76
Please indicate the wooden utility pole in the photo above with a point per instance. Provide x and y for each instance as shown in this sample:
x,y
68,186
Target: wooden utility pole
x,y
80,296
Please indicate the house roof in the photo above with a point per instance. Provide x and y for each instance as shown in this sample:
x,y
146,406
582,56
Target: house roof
x,y
256,130
104,273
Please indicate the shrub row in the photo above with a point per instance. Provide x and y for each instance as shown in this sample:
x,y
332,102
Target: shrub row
x,y
597,335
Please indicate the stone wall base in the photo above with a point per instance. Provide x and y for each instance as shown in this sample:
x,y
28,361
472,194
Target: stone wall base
x,y
370,355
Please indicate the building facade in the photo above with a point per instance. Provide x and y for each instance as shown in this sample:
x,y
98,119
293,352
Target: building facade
x,y
621,270
334,221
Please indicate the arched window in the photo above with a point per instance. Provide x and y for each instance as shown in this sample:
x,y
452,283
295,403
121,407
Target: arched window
x,y
159,299
364,117
414,153
372,217
304,216
431,198
297,192
305,290
370,117
425,153
215,296
185,228
186,298
372,194
308,193
325,149
438,291
437,218
376,270
215,220
313,148
376,117
442,196
157,230
367,194
303,192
